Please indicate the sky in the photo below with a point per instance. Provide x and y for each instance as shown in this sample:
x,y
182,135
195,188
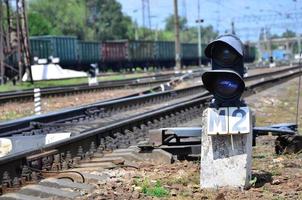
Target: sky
x,y
248,15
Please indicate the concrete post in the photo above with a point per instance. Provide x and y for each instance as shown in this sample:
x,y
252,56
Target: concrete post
x,y
37,100
225,160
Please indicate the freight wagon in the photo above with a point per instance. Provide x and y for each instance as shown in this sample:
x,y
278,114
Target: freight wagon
x,y
125,54
118,54
63,47
40,48
249,53
114,55
88,53
164,53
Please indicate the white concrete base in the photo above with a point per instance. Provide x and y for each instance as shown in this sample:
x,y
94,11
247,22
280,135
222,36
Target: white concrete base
x,y
92,81
272,64
220,164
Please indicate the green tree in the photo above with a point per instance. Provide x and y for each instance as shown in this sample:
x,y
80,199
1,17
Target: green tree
x,y
107,20
288,34
38,25
64,17
170,23
88,20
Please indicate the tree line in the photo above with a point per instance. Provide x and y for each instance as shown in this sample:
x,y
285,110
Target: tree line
x,y
101,20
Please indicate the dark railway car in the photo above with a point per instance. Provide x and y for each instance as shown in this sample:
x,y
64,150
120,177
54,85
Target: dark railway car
x,y
114,55
89,53
140,53
189,54
63,47
249,53
164,53
40,48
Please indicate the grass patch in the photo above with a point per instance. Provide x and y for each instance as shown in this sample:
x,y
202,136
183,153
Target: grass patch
x,y
190,177
156,189
276,171
74,81
41,84
14,115
282,107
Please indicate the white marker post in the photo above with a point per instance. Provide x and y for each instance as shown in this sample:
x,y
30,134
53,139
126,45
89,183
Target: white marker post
x,y
37,100
226,147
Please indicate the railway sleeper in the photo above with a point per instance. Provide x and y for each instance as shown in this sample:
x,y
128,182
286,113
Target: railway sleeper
x,y
95,171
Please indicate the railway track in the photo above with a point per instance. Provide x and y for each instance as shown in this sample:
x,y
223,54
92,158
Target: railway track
x,y
120,130
28,94
106,110
25,95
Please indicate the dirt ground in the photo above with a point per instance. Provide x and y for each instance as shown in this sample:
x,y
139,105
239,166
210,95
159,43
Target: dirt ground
x,y
277,104
274,176
277,177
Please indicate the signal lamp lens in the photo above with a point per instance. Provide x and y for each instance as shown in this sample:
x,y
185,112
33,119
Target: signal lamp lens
x,y
225,85
224,55
226,88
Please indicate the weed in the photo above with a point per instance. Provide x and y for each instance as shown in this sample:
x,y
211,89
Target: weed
x,y
156,190
278,198
62,82
276,171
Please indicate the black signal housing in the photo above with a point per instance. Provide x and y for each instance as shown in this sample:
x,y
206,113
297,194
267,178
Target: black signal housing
x,y
225,80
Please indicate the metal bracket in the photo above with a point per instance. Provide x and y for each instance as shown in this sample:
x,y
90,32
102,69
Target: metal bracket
x,y
173,135
276,129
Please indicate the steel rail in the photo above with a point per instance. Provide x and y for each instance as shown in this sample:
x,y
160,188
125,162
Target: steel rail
x,y
103,85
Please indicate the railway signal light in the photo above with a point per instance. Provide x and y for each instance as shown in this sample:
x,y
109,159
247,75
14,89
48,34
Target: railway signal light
x,y
92,70
225,80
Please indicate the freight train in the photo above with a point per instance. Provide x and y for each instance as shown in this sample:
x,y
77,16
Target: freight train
x,y
117,55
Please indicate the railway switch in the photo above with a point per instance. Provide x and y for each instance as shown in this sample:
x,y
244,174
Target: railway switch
x,y
225,80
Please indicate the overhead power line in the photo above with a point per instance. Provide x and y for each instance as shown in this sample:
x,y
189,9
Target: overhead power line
x,y
271,17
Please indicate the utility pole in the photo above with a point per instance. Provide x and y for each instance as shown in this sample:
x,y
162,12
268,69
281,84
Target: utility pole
x,y
19,56
199,21
177,41
135,26
233,28
25,39
2,67
136,31
149,15
260,43
297,32
146,15
14,40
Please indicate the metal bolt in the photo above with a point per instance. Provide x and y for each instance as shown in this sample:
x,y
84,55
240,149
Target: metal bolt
x,y
6,180
16,182
80,152
26,173
92,147
34,176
